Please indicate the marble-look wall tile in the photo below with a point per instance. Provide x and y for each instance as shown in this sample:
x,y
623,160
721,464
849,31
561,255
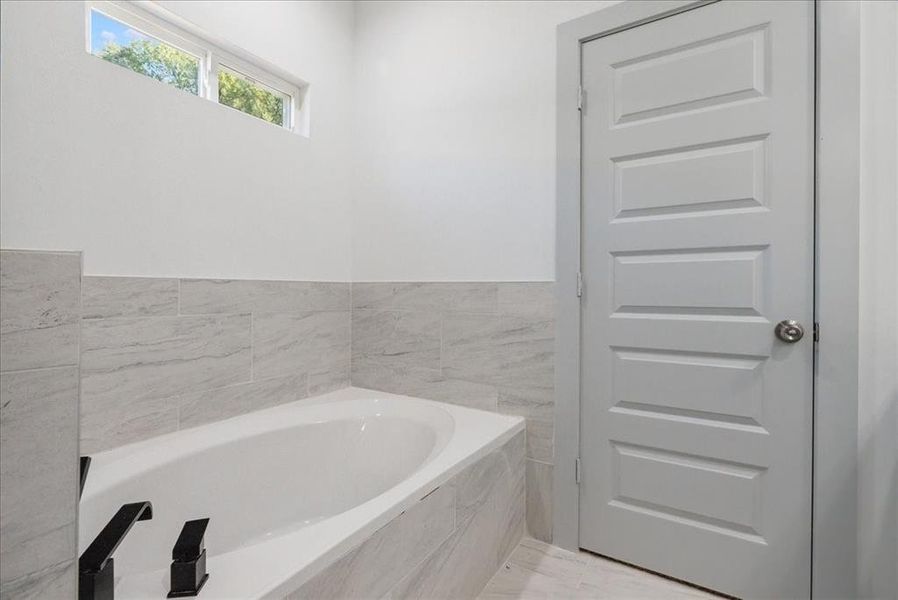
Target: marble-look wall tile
x,y
374,375
489,524
38,470
211,296
476,485
214,405
370,569
460,567
106,424
213,349
456,391
532,403
324,295
314,342
39,309
48,583
205,296
134,359
335,378
527,298
104,297
396,338
423,383
541,440
463,297
509,351
539,500
537,405
511,496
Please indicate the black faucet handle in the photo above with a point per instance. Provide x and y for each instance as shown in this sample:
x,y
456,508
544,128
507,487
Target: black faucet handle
x,y
188,567
190,542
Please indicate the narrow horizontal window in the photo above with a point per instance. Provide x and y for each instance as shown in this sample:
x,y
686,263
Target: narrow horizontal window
x,y
146,40
248,95
122,44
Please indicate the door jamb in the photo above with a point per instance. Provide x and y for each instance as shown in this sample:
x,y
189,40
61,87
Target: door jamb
x,y
837,251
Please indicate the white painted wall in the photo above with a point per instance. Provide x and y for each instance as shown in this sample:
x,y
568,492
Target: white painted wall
x,y
148,180
878,343
455,136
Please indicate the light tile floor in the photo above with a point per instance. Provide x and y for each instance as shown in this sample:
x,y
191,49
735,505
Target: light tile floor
x,y
539,571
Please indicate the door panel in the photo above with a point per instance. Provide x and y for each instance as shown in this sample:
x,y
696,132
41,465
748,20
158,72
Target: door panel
x,y
723,178
697,216
675,80
677,282
731,390
661,480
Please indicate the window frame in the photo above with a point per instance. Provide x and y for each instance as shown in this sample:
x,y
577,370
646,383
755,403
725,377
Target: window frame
x,y
232,63
154,21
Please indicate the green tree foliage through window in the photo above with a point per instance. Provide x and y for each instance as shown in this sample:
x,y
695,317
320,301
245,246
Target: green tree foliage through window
x,y
159,61
237,92
117,42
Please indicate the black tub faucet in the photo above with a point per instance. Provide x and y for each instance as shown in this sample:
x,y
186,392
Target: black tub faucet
x,y
96,567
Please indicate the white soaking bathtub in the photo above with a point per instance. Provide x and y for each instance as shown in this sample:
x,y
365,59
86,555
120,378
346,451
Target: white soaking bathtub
x,y
288,489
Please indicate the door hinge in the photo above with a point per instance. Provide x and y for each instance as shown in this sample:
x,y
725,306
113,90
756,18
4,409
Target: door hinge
x,y
579,284
577,469
816,332
581,97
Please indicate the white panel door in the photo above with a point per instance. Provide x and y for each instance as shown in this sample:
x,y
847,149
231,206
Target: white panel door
x,y
697,216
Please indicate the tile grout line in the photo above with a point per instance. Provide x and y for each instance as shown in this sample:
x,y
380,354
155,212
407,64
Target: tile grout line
x,y
252,349
38,369
351,332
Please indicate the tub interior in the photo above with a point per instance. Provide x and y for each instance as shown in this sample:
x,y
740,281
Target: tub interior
x,y
261,486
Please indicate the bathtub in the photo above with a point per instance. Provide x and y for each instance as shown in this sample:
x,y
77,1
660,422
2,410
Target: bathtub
x,y
288,489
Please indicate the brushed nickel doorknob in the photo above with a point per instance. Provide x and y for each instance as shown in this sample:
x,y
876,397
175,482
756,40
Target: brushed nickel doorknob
x,y
789,331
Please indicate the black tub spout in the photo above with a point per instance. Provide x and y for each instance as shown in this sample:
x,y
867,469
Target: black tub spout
x,y
96,566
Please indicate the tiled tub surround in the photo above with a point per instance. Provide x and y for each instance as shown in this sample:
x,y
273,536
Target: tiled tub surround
x,y
484,345
39,308
446,546
158,355
163,354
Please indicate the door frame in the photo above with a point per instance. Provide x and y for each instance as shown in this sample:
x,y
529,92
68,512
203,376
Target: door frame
x,y
836,279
